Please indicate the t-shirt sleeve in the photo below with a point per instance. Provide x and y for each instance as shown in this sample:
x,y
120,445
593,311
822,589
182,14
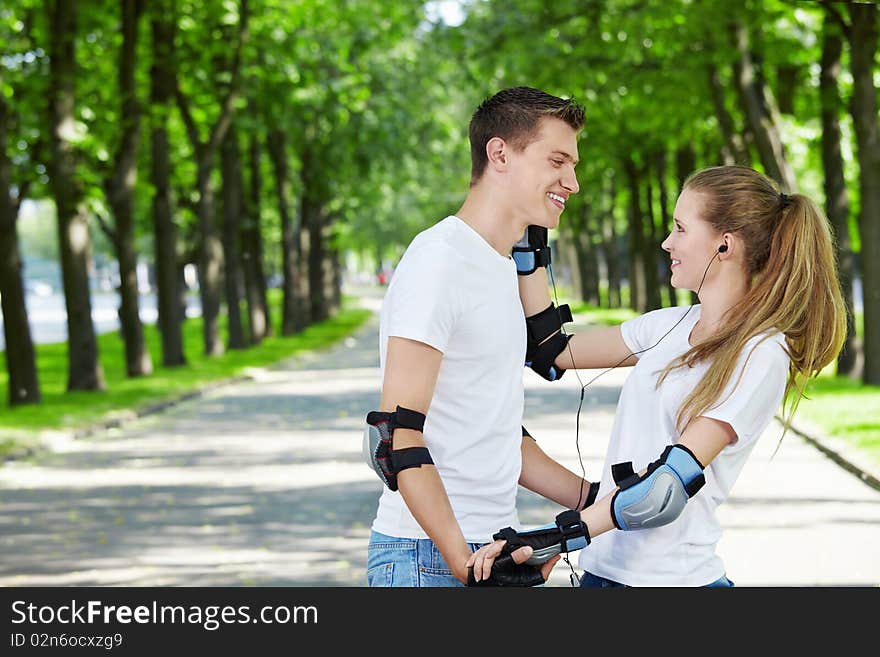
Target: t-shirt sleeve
x,y
642,332
750,401
426,298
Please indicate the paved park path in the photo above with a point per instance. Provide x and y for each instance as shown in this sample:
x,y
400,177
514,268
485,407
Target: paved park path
x,y
261,483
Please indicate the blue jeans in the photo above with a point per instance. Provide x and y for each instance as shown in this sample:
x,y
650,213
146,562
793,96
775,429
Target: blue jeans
x,y
589,580
407,562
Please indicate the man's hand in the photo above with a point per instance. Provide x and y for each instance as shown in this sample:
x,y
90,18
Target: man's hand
x,y
535,548
509,569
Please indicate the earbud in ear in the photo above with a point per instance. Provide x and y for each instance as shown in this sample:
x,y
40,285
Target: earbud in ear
x,y
722,248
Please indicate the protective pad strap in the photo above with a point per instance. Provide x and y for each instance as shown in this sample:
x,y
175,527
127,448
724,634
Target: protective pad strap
x,y
574,532
658,497
405,418
592,494
542,325
410,457
531,250
623,474
528,261
542,358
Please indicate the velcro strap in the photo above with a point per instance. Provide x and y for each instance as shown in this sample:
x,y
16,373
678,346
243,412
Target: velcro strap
x,y
542,325
623,473
542,257
507,534
375,417
404,418
544,357
592,494
572,529
410,457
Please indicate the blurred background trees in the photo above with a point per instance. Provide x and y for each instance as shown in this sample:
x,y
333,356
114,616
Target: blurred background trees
x,y
207,153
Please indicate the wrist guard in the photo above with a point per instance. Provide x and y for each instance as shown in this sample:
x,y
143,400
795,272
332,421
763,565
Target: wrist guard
x,y
507,573
531,251
541,353
378,452
567,534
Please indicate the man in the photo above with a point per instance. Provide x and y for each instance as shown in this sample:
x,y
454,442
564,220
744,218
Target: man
x,y
452,343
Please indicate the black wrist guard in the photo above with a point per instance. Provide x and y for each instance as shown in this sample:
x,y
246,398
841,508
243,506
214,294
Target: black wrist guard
x,y
507,573
566,534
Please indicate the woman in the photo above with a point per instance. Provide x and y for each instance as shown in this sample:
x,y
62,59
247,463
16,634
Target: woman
x,y
707,379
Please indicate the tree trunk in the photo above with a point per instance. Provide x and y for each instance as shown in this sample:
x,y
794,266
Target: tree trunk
x,y
119,190
210,259
313,217
294,316
585,257
233,184
685,164
863,47
84,370
167,275
610,250
20,359
734,150
651,256
761,113
637,298
333,289
211,263
836,197
569,252
665,227
252,250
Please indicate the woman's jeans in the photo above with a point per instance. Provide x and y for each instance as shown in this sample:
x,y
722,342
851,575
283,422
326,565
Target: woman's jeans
x,y
589,580
395,561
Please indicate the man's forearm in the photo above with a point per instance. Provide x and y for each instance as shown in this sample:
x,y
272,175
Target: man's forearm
x,y
425,496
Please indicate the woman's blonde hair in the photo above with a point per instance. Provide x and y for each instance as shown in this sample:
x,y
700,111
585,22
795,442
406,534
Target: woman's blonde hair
x,y
793,285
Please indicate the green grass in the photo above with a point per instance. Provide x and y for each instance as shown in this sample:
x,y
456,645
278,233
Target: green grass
x,y
603,316
21,426
844,408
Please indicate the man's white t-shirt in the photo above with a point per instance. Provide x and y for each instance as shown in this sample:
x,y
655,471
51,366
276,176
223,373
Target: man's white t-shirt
x,y
456,293
682,552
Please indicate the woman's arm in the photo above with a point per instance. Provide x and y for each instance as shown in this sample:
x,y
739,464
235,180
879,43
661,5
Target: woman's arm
x,y
544,476
704,437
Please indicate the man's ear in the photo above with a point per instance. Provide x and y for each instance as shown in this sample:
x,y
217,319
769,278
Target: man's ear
x,y
496,152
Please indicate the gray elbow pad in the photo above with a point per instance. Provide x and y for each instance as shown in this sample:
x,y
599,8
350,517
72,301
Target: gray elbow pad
x,y
659,496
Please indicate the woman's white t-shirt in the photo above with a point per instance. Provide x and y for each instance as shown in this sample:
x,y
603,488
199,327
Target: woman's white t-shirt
x,y
681,553
455,292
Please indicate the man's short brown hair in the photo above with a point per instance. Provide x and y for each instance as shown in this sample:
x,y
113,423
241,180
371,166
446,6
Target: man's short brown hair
x,y
515,116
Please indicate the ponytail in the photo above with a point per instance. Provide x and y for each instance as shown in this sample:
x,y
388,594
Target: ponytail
x,y
793,287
